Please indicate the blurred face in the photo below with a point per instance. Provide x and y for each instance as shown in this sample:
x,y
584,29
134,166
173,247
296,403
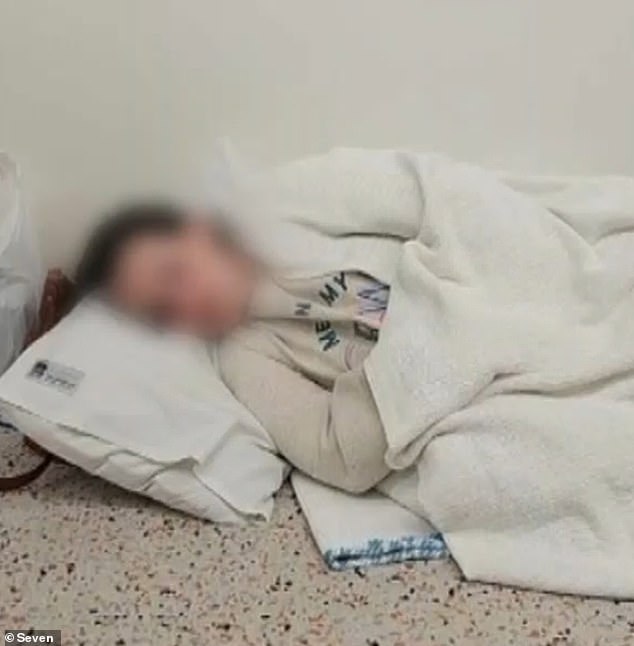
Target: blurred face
x,y
190,281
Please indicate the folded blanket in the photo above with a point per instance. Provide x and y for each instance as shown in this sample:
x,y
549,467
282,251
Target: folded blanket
x,y
359,531
504,374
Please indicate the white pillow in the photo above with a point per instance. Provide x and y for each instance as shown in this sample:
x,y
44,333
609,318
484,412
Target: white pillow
x,y
146,411
20,267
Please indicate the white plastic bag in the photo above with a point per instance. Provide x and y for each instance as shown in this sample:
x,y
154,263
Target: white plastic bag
x,y
21,273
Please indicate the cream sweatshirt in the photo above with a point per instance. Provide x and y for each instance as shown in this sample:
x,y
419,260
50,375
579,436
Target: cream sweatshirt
x,y
298,366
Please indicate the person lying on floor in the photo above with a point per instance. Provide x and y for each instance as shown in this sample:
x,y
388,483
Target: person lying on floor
x,y
291,350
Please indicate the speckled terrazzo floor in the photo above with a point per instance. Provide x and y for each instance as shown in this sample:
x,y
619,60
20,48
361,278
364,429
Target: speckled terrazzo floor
x,y
107,567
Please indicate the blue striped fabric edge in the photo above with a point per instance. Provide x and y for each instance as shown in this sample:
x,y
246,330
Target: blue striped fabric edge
x,y
377,551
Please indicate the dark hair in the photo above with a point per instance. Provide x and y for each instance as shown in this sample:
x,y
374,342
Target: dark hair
x,y
114,232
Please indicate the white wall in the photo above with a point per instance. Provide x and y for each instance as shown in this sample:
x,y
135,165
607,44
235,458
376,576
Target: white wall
x,y
99,98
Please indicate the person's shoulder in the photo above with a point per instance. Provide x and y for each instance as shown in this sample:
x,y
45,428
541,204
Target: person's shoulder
x,y
249,339
248,360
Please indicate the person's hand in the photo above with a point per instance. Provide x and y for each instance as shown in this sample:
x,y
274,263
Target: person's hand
x,y
57,300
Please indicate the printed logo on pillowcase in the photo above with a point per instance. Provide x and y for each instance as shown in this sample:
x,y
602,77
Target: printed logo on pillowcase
x,y
55,375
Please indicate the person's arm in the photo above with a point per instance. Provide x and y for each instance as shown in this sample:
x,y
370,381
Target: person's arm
x,y
333,436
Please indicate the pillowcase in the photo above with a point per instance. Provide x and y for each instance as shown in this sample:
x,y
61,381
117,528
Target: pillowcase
x,y
146,411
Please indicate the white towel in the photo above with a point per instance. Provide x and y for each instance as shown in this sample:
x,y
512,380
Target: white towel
x,y
505,369
360,531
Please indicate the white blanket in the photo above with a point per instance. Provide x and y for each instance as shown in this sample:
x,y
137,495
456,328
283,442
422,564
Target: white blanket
x,y
505,367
